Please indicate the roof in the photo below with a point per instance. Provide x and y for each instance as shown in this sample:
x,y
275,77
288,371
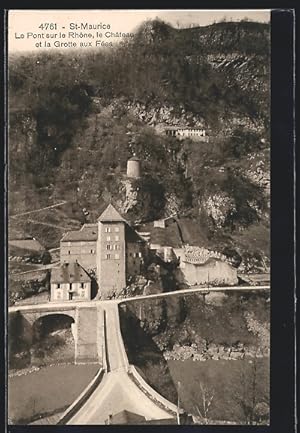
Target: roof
x,y
132,236
134,158
200,255
164,421
111,215
26,244
69,273
126,417
88,232
176,128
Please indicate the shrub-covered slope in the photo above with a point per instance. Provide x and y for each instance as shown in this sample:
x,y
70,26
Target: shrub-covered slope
x,y
76,118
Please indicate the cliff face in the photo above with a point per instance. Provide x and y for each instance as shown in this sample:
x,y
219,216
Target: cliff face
x,y
90,113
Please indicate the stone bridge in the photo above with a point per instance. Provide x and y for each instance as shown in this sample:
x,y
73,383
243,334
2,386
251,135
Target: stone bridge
x,y
84,325
118,386
87,326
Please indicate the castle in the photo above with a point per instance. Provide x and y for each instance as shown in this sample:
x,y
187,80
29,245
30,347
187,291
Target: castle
x,y
109,248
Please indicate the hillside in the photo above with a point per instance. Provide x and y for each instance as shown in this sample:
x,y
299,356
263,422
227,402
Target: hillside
x,y
76,118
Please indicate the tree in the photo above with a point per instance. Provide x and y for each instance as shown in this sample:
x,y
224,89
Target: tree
x,y
203,406
254,407
46,258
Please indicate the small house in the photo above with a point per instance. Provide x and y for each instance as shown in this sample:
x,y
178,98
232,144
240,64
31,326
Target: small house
x,y
70,282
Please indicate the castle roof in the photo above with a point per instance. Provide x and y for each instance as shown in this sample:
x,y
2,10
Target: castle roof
x,y
71,272
88,232
111,215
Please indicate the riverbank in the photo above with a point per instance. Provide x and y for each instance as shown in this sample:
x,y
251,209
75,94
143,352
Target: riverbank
x,y
46,391
238,390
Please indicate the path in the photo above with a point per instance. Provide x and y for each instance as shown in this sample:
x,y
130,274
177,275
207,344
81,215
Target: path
x,y
38,210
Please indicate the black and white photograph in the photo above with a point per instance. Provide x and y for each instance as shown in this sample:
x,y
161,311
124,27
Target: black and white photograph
x,y
139,217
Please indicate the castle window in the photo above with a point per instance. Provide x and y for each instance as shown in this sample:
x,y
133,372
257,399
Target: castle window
x,y
107,256
117,256
58,285
140,254
108,238
117,229
107,229
108,247
69,252
81,285
92,251
117,238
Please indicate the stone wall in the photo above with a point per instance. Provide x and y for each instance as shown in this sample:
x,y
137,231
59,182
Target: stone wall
x,y
82,251
214,272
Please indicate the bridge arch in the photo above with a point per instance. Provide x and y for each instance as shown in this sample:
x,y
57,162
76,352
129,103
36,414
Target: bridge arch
x,y
51,322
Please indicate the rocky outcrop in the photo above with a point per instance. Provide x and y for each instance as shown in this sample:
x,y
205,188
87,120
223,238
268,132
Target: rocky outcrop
x,y
215,352
218,207
259,171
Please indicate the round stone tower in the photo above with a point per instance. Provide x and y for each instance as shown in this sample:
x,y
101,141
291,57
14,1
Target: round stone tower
x,y
134,168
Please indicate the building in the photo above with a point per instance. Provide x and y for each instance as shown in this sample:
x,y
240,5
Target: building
x,y
70,282
80,246
164,222
120,252
134,168
197,134
111,252
213,272
109,247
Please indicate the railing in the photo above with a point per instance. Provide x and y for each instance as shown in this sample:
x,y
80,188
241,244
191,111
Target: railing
x,y
120,339
157,398
101,349
83,397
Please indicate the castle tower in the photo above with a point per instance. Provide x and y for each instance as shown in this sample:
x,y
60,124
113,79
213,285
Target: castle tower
x,y
111,252
134,168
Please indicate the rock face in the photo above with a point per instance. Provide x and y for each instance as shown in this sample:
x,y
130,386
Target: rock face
x,y
214,78
218,207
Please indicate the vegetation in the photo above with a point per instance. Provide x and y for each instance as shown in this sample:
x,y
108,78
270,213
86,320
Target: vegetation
x,y
73,139
242,394
230,395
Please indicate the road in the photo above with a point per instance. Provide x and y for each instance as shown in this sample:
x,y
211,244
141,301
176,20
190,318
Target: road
x,y
116,392
38,269
196,290
92,303
115,350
